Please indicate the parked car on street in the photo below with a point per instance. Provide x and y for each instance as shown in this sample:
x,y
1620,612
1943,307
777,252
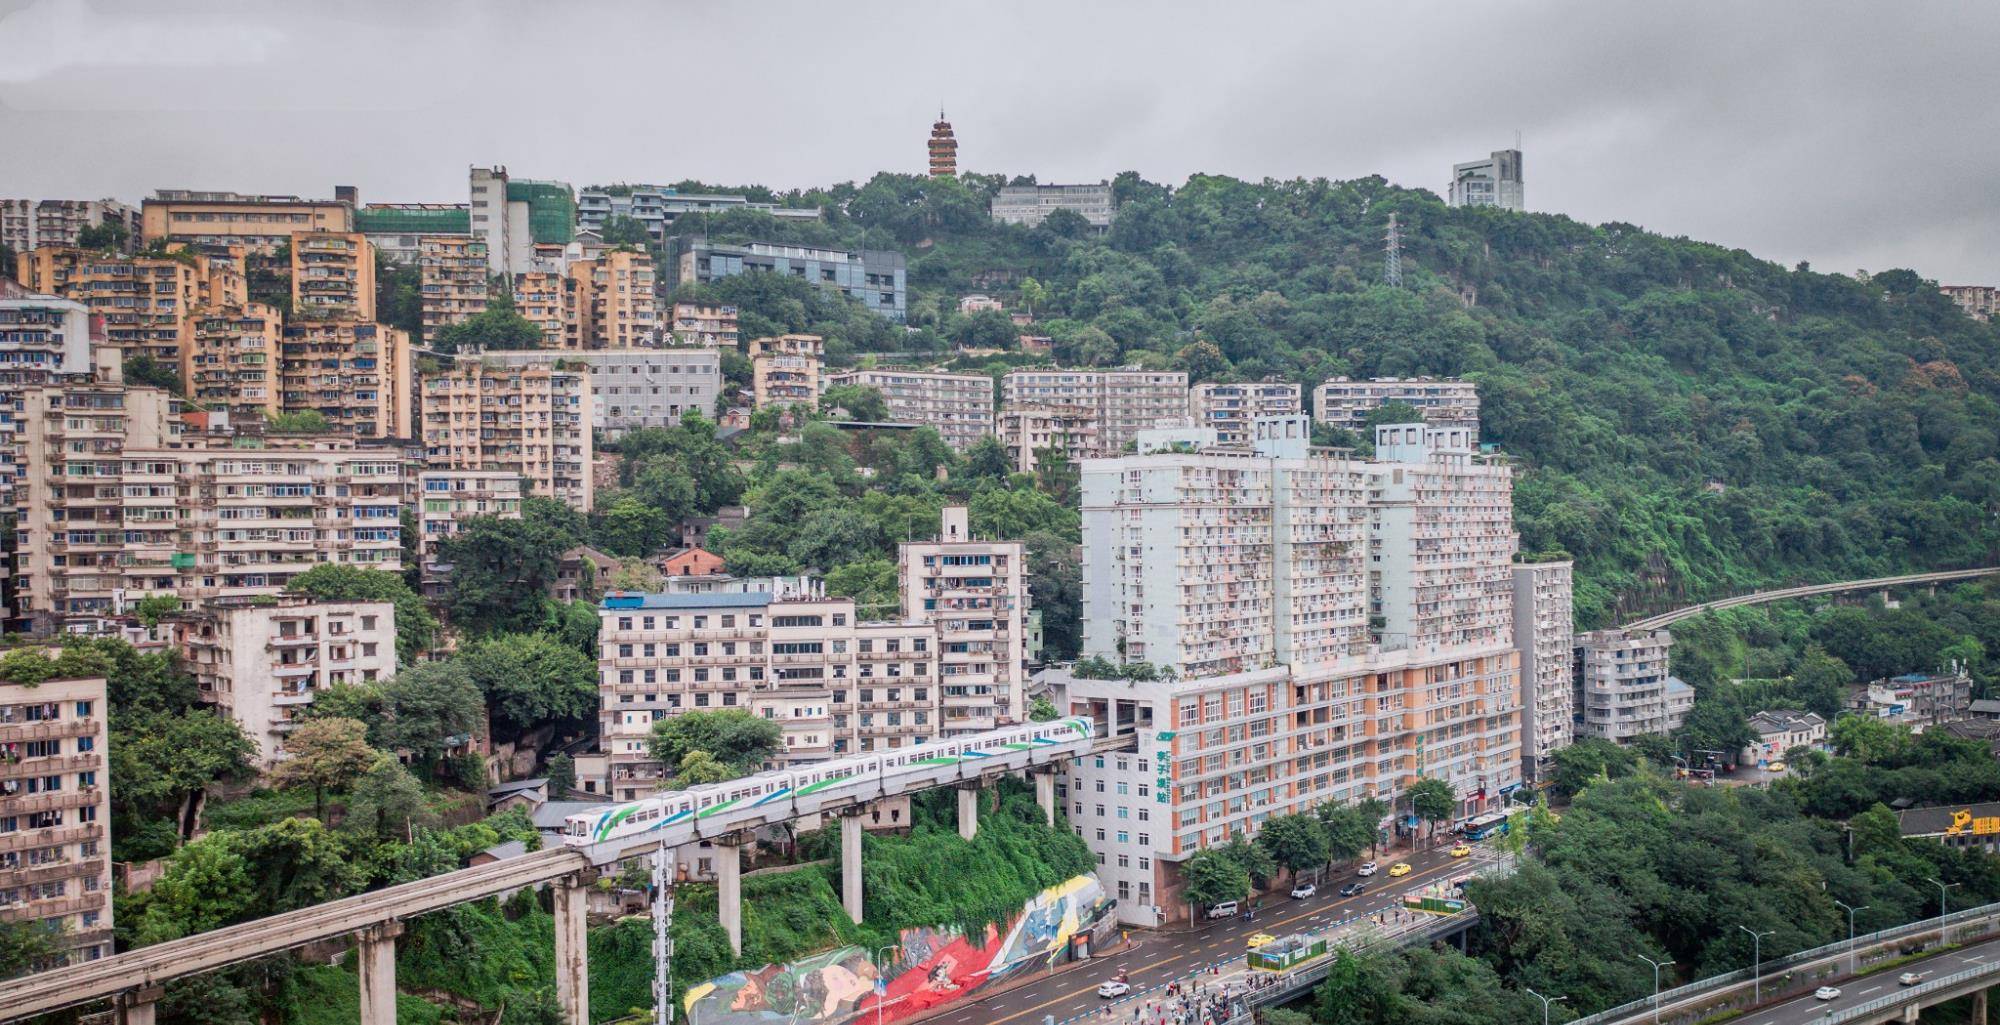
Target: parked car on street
x,y
1367,869
1304,890
1226,909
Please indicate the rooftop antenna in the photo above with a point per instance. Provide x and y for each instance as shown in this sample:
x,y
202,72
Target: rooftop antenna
x,y
1392,265
1517,138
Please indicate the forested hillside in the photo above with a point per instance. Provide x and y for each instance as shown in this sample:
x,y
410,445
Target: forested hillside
x,y
1689,420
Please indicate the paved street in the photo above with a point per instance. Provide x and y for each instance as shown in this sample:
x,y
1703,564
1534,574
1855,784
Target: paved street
x,y
1807,1009
1162,957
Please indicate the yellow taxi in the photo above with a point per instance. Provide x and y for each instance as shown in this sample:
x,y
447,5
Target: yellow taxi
x,y
1259,940
1460,850
1775,767
1401,868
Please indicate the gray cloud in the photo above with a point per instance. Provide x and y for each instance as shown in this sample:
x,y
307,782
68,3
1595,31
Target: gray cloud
x,y
1847,134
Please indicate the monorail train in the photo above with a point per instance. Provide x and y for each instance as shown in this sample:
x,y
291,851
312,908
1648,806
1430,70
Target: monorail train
x,y
683,816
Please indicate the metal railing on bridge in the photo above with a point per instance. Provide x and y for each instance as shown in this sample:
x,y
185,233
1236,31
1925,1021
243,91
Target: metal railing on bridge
x,y
1904,997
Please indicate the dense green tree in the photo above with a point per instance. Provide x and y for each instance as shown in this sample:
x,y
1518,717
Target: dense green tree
x,y
531,680
699,769
427,709
332,581
860,402
497,328
502,569
386,802
145,370
1041,709
1579,764
1210,877
324,754
561,774
1055,589
740,741
1296,842
26,947
303,421
1432,800
167,760
871,583
104,237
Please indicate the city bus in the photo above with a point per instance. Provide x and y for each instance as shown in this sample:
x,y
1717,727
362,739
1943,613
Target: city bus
x,y
1489,824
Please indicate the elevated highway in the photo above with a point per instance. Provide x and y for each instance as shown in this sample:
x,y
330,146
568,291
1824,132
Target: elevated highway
x,y
1666,619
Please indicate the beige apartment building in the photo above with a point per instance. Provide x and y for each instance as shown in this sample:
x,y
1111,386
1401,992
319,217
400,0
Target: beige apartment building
x,y
1444,402
1126,401
549,301
333,276
960,406
447,498
148,302
1979,302
231,360
709,325
261,224
107,513
975,592
55,800
784,371
616,305
452,280
1026,432
1545,638
530,421
355,374
1230,409
1299,662
261,661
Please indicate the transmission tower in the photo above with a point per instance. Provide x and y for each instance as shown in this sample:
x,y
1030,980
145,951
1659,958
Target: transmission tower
x,y
1392,264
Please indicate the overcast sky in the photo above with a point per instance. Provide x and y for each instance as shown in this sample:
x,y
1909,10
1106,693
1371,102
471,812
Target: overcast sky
x,y
1851,135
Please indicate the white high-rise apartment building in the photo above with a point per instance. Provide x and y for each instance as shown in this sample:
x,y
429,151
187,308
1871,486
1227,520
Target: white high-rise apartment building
x,y
1624,685
447,498
263,661
960,406
1494,181
1229,409
55,805
976,594
1125,401
1247,579
1544,634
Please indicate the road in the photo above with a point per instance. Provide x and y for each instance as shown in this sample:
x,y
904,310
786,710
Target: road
x,y
1161,957
1807,1010
1665,619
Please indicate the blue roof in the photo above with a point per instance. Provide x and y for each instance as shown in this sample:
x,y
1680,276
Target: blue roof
x,y
644,600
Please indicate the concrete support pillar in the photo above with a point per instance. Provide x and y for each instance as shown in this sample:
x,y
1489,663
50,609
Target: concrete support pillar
x,y
1045,794
572,951
850,864
1978,1015
376,957
968,810
136,1007
1910,1014
729,890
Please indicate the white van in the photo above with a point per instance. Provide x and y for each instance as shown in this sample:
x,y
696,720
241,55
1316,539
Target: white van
x,y
1226,909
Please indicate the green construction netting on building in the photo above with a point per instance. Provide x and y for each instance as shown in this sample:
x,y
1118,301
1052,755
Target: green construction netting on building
x,y
384,220
551,209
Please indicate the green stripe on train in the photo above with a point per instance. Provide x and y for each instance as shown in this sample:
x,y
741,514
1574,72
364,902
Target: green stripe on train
x,y
821,785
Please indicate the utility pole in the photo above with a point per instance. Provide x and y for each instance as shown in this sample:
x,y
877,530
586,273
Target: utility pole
x,y
1546,1001
1757,962
1392,265
1850,932
1657,965
663,945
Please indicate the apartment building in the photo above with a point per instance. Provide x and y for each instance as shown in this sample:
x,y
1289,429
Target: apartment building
x,y
1126,401
874,278
1444,402
261,661
616,305
333,276
231,361
709,325
1229,409
1029,205
549,301
33,223
261,224
960,406
447,498
1027,432
1624,686
355,374
634,388
397,230
1442,540
976,594
530,421
784,371
1493,181
516,216
106,514
147,302
1544,639
657,207
451,280
55,807
1247,578
43,339
1980,302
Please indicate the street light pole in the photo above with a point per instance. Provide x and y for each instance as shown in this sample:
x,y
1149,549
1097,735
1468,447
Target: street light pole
x,y
882,978
1657,965
1756,962
1851,909
1942,911
1546,1001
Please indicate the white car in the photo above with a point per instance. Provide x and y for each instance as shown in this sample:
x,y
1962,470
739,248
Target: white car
x,y
1304,890
1367,869
1909,978
1113,989
1827,993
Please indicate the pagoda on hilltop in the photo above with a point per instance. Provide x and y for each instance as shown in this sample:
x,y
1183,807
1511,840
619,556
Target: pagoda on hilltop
x,y
944,149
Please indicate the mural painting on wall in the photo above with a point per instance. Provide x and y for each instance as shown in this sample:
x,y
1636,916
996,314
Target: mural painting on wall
x,y
934,966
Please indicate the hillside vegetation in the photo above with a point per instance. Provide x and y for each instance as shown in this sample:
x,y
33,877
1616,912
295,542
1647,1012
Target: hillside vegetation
x,y
1689,420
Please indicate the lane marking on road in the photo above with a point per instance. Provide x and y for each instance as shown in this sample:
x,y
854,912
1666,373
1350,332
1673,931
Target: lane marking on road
x,y
1869,990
